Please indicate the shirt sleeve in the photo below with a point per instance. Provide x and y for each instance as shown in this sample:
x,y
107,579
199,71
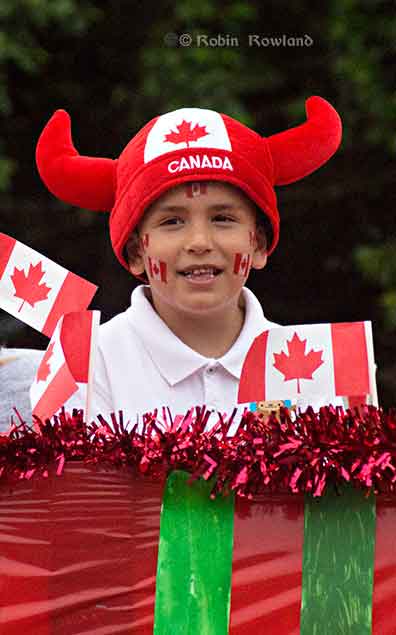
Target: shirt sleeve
x,y
102,401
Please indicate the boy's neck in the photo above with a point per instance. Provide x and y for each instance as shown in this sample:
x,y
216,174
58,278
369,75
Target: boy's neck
x,y
211,336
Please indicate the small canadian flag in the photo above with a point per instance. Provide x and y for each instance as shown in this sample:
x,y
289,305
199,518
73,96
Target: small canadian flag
x,y
196,188
157,269
242,264
314,363
35,289
67,364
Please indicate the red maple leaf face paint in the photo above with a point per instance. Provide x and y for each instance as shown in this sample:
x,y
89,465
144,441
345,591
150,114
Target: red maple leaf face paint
x,y
157,269
242,264
195,189
144,242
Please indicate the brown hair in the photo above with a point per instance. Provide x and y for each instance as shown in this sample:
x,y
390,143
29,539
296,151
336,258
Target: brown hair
x,y
132,247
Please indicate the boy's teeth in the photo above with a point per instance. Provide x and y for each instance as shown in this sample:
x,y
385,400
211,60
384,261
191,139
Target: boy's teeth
x,y
199,272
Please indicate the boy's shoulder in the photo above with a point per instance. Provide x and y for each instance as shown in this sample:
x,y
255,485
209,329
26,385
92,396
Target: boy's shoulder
x,y
115,328
120,330
255,311
272,325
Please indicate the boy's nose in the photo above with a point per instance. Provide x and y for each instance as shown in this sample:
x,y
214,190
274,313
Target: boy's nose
x,y
199,238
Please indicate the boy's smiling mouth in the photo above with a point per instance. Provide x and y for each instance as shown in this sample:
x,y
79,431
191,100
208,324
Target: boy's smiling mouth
x,y
200,272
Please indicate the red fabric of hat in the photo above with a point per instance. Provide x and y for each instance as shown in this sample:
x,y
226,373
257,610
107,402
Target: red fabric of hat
x,y
180,146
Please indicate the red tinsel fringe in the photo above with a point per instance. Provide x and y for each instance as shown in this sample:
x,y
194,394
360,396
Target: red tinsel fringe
x,y
306,453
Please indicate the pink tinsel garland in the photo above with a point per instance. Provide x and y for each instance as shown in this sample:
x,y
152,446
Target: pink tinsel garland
x,y
306,453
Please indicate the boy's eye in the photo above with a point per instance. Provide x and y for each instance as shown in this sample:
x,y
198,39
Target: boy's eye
x,y
171,221
175,220
223,219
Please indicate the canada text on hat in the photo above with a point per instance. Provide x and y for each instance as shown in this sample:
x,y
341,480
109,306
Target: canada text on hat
x,y
180,146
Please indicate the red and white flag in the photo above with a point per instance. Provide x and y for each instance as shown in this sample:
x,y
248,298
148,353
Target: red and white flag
x,y
67,364
310,364
242,264
35,289
157,269
196,188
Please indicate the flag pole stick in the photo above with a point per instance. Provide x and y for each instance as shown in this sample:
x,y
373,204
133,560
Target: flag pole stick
x,y
371,363
92,356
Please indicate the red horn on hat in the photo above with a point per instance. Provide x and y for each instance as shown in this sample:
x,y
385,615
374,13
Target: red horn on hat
x,y
82,181
301,150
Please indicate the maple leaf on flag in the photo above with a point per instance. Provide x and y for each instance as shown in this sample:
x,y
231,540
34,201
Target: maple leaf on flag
x,y
297,365
44,369
28,287
186,133
244,263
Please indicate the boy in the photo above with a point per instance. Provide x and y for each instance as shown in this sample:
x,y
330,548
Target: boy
x,y
193,209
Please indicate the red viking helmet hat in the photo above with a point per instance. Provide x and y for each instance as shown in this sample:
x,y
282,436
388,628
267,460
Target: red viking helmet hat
x,y
185,145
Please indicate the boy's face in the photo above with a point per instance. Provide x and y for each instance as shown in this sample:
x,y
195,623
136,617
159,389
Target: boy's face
x,y
197,244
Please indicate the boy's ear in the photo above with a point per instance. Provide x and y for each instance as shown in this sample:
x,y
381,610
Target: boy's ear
x,y
136,262
134,254
259,258
137,266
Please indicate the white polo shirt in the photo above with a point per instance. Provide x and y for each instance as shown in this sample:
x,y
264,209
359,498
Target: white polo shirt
x,y
141,364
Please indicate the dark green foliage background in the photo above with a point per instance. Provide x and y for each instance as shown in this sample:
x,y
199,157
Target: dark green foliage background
x,y
108,64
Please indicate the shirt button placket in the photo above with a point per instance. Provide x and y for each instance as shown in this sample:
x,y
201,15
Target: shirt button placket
x,y
210,386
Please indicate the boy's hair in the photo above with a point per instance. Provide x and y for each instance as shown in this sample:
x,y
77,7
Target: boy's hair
x,y
263,234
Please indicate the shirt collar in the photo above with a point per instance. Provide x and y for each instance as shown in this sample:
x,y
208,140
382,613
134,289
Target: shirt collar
x,y
174,359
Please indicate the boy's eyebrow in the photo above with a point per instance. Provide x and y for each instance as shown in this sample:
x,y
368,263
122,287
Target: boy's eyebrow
x,y
224,206
171,208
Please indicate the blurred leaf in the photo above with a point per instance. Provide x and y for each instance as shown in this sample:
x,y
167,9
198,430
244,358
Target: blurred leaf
x,y
378,264
7,169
